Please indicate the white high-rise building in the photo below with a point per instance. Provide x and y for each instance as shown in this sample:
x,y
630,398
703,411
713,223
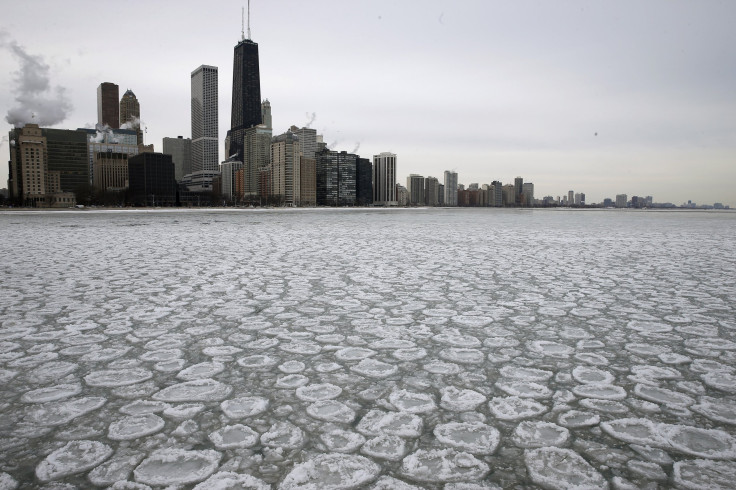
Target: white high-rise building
x,y
450,188
384,179
205,152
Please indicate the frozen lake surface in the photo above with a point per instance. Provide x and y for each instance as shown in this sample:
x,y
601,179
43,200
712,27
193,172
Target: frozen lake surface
x,y
382,349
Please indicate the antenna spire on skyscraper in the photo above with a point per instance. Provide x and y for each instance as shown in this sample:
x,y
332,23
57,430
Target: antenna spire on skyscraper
x,y
248,20
242,23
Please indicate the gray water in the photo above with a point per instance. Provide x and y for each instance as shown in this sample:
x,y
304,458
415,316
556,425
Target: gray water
x,y
368,349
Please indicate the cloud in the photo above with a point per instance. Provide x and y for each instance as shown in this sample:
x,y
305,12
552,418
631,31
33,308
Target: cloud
x,y
36,100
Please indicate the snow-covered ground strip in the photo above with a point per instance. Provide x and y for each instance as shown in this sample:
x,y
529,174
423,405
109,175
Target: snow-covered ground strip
x,y
441,349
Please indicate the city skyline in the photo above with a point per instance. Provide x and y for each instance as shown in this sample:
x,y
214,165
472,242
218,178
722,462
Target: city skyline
x,y
601,99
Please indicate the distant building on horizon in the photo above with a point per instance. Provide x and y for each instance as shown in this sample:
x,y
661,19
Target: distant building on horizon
x,y
180,149
384,179
130,114
621,200
336,178
246,108
415,187
286,169
151,180
205,144
450,198
108,110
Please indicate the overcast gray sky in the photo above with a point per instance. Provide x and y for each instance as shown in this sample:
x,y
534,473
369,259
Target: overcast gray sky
x,y
603,97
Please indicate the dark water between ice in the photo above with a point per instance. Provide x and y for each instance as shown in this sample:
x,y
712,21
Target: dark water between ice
x,y
368,349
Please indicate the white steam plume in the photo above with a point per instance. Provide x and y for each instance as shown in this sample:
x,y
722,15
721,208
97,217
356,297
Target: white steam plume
x,y
36,101
311,119
134,123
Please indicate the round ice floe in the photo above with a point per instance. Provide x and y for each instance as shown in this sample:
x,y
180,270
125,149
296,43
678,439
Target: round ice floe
x,y
161,355
606,406
246,406
588,374
475,438
221,350
342,441
135,426
515,408
561,469
406,401
234,436
574,419
662,395
74,457
374,369
318,392
701,473
715,343
721,381
551,349
459,400
292,367
225,480
716,409
391,483
674,358
443,465
477,321
439,367
649,327
392,343
283,434
291,381
703,443
655,372
392,448
635,431
201,370
462,355
184,411
330,338
531,434
141,407
591,358
411,354
457,340
331,471
118,377
117,468
52,393
306,348
177,466
106,354
644,349
354,354
440,312
403,424
194,391
331,411
264,343
258,362
327,367
524,389
59,413
600,391
170,366
524,373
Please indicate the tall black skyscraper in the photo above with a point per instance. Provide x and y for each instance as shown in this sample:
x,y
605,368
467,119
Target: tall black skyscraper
x,y
246,108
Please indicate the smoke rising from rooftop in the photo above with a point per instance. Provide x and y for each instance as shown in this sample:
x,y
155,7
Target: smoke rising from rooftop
x,y
36,101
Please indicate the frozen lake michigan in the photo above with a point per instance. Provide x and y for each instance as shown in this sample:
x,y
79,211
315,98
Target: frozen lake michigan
x,y
382,349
